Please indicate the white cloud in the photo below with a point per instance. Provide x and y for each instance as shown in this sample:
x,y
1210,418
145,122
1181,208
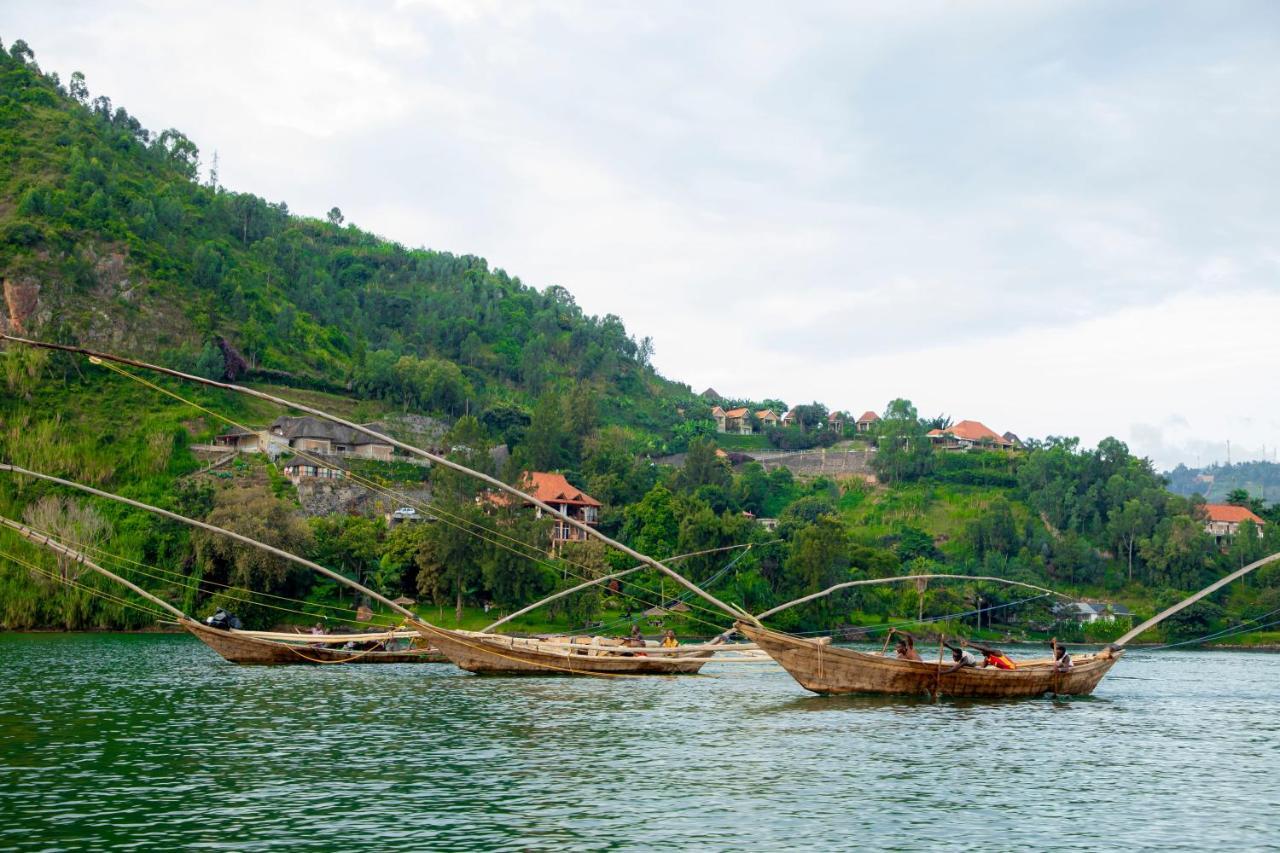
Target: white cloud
x,y
1050,218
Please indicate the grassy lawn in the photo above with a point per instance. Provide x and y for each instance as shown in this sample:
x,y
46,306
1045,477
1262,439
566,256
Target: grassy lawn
x,y
727,441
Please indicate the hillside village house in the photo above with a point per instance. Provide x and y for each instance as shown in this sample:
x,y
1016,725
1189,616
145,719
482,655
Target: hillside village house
x,y
836,420
557,492
298,469
312,435
790,419
1091,611
768,418
968,434
1223,520
735,421
866,422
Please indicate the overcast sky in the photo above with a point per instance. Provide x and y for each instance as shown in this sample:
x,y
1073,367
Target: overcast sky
x,y
1055,218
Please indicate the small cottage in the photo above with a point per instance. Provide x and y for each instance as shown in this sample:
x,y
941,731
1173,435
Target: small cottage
x,y
866,422
768,418
1223,521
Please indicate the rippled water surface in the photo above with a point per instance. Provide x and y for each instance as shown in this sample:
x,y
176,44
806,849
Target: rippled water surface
x,y
153,742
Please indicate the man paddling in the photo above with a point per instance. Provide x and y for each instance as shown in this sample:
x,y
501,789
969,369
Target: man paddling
x,y
906,648
1062,662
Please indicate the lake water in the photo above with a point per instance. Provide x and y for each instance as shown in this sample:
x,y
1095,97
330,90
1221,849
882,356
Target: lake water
x,y
152,742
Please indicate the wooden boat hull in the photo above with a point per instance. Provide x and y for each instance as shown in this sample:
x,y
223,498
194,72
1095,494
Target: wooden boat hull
x,y
238,648
503,655
828,669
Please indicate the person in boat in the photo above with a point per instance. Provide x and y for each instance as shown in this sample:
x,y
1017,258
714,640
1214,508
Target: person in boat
x,y
906,651
1061,658
960,659
636,640
669,640
995,657
909,640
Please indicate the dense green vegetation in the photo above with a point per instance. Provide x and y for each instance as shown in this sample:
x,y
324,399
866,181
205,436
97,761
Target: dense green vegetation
x,y
125,248
110,220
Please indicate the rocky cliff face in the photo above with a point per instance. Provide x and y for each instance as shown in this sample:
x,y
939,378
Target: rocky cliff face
x,y
22,305
326,497
106,307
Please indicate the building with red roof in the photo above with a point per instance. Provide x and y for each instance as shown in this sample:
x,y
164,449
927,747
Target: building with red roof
x,y
558,493
736,421
866,422
768,418
966,434
1223,520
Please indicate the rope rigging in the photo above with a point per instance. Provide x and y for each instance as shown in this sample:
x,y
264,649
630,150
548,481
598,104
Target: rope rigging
x,y
435,510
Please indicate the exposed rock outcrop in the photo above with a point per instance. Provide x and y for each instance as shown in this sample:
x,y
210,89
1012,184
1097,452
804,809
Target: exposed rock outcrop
x,y
22,305
326,497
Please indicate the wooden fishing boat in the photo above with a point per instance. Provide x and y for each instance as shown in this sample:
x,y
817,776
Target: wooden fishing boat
x,y
256,647
497,654
823,668
244,648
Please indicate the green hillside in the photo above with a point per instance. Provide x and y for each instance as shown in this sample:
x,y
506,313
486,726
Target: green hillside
x,y
110,240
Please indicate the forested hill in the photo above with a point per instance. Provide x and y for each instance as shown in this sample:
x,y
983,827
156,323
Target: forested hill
x,y
1259,479
111,239
108,238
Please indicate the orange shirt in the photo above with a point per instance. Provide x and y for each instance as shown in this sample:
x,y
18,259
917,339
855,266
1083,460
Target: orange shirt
x,y
1000,662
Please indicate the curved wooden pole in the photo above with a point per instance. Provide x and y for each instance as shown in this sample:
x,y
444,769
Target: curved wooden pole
x,y
58,547
1190,600
561,594
602,579
848,584
293,558
587,529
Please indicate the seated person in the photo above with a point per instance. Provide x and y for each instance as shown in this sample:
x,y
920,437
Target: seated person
x,y
636,640
669,640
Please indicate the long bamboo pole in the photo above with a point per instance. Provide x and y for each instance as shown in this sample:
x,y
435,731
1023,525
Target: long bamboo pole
x,y
1192,599
602,579
408,448
294,558
58,547
867,582
561,594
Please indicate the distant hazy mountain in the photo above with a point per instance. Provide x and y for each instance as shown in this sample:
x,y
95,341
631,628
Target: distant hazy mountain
x,y
1259,479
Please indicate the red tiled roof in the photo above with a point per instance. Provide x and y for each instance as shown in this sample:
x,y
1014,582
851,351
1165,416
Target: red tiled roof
x,y
735,413
976,431
1231,513
554,488
765,413
868,417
